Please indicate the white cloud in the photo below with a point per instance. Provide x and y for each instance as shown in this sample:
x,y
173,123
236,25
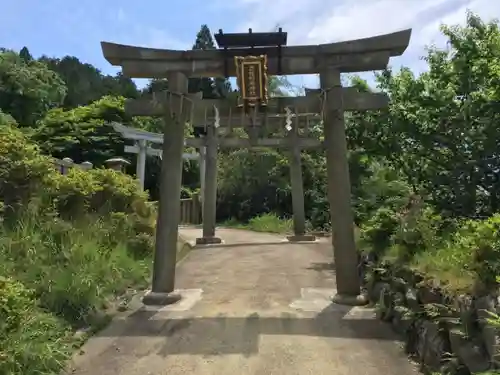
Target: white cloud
x,y
365,18
121,16
124,28
430,34
326,21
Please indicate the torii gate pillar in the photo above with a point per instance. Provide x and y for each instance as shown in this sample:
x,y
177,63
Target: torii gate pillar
x,y
209,200
170,197
339,193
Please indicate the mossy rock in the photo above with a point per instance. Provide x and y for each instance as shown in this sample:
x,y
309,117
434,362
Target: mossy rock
x,y
402,319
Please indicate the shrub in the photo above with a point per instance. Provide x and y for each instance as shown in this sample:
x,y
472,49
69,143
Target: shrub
x,y
140,245
24,172
73,242
7,120
376,233
31,340
252,182
461,257
100,191
476,247
26,175
382,188
418,230
72,269
270,223
15,302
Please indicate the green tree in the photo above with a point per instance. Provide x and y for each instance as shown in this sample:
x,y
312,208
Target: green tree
x,y
83,133
441,127
156,85
211,88
28,89
86,83
25,55
278,86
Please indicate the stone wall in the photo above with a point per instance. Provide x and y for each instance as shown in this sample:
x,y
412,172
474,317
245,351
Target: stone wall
x,y
450,334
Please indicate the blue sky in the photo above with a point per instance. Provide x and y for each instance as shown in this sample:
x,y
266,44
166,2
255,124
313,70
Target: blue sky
x,y
58,27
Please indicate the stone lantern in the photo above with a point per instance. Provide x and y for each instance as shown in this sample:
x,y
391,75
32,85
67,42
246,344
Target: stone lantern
x,y
118,164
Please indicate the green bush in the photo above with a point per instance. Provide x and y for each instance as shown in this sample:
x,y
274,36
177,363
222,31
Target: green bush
x,y
70,244
471,255
270,223
98,191
15,302
461,257
24,172
7,120
31,340
60,275
418,230
72,268
140,245
376,233
252,182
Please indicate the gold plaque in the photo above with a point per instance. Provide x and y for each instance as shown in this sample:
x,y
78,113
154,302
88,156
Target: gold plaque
x,y
251,73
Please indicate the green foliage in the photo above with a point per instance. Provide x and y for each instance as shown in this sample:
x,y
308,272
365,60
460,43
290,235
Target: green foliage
x,y
211,88
380,186
86,84
460,257
377,231
25,54
98,191
7,120
31,340
439,139
84,263
62,262
269,223
252,182
480,240
463,259
29,88
416,169
83,133
15,301
24,172
440,129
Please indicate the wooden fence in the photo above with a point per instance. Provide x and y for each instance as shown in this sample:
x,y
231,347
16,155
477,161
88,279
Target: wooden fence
x,y
191,210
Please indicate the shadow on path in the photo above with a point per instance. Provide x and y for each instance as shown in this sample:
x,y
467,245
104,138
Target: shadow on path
x,y
240,335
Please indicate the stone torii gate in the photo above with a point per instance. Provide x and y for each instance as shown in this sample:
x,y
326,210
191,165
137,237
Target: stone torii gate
x,y
265,55
142,139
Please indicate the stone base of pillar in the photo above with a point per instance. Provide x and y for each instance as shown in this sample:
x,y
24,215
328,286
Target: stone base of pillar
x,y
350,300
301,238
208,241
160,299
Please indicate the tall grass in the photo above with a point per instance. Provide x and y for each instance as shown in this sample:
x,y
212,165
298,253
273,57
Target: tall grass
x,y
270,223
55,277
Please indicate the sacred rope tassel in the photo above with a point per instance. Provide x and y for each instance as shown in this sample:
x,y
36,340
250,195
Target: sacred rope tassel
x,y
217,117
288,122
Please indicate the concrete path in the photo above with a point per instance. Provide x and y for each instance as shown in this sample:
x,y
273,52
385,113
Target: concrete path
x,y
256,309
